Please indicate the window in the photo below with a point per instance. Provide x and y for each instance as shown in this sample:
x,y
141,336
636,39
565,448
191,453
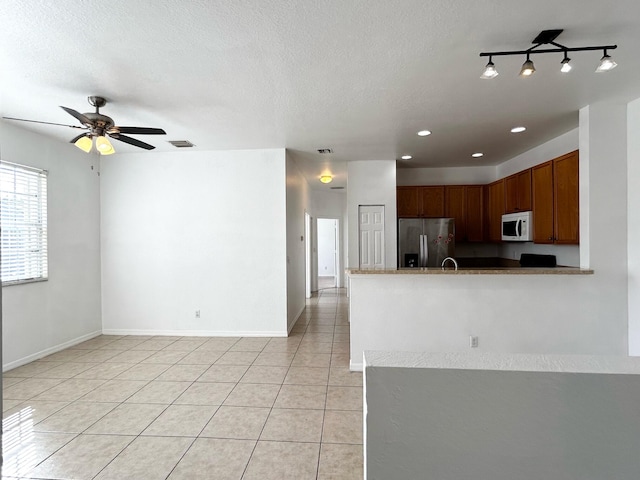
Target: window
x,y
23,219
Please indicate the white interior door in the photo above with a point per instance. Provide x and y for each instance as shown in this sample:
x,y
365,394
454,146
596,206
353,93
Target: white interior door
x,y
371,234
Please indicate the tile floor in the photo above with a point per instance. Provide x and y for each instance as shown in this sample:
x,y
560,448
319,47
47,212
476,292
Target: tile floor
x,y
139,407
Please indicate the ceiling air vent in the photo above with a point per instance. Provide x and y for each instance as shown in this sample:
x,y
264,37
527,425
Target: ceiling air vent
x,y
324,150
337,188
181,143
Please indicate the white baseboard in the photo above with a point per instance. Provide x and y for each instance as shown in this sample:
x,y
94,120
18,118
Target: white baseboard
x,y
355,367
297,317
192,333
49,351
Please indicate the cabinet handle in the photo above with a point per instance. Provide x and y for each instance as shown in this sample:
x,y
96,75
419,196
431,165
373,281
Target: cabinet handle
x,y
550,238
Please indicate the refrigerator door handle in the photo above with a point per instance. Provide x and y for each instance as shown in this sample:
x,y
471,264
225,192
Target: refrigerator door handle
x,y
420,257
426,250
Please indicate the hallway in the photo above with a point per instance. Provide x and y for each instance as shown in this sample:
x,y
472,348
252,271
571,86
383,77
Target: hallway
x,y
161,407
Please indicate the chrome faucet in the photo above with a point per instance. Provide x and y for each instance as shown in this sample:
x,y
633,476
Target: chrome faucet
x,y
455,264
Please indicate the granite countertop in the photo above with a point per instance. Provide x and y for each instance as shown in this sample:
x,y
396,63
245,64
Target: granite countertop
x,y
474,271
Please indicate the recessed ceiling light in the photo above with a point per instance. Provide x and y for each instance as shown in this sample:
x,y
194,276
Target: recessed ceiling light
x,y
477,154
424,133
518,129
406,157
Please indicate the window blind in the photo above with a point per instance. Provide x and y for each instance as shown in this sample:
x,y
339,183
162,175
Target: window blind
x,y
23,219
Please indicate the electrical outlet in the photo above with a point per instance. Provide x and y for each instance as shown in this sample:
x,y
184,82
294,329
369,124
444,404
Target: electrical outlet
x,y
473,342
197,313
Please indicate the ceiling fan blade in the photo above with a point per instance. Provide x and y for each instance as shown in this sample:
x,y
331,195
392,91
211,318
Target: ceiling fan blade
x,y
141,130
83,119
131,141
75,139
45,123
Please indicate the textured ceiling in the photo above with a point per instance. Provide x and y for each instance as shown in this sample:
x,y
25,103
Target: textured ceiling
x,y
360,77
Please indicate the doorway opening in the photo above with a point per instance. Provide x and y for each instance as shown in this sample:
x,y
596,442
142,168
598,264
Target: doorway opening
x,y
328,253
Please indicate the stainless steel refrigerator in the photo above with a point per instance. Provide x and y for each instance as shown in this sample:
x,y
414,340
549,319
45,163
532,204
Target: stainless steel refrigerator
x,y
425,242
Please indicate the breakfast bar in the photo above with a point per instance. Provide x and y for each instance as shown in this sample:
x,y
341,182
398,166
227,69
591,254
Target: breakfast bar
x,y
501,309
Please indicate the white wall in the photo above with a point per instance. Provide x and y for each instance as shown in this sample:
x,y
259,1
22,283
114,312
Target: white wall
x,y
603,205
297,205
373,183
327,247
186,231
446,176
40,318
633,224
501,417
550,314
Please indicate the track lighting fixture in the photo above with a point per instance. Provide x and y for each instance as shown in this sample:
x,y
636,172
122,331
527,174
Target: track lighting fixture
x,y
547,37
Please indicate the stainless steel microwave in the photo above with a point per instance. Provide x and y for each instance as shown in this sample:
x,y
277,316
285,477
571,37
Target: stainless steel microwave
x,y
517,227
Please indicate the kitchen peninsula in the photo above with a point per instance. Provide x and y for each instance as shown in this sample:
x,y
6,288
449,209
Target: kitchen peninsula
x,y
509,310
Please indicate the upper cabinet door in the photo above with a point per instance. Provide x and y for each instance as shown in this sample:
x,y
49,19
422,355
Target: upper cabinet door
x,y
566,201
517,192
542,179
432,202
496,210
475,213
455,207
511,194
407,200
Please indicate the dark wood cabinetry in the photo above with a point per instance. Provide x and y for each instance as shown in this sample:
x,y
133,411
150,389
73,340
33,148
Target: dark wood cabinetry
x,y
495,210
518,192
474,213
407,201
432,202
420,202
456,208
550,190
555,201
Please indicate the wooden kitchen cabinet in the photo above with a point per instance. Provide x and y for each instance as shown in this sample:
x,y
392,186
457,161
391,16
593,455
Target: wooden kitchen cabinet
x,y
420,202
566,202
555,201
474,213
496,209
431,201
456,208
518,192
407,202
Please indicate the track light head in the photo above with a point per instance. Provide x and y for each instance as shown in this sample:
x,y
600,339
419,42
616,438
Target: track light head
x,y
527,68
565,64
606,63
489,71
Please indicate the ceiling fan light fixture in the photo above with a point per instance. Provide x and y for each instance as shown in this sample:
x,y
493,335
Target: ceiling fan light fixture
x,y
489,71
326,178
84,143
103,145
606,63
527,68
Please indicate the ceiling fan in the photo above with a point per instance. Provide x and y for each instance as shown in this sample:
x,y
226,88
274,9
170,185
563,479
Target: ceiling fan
x,y
100,126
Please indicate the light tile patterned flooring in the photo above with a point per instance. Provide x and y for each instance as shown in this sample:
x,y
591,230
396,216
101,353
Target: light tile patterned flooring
x,y
139,407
